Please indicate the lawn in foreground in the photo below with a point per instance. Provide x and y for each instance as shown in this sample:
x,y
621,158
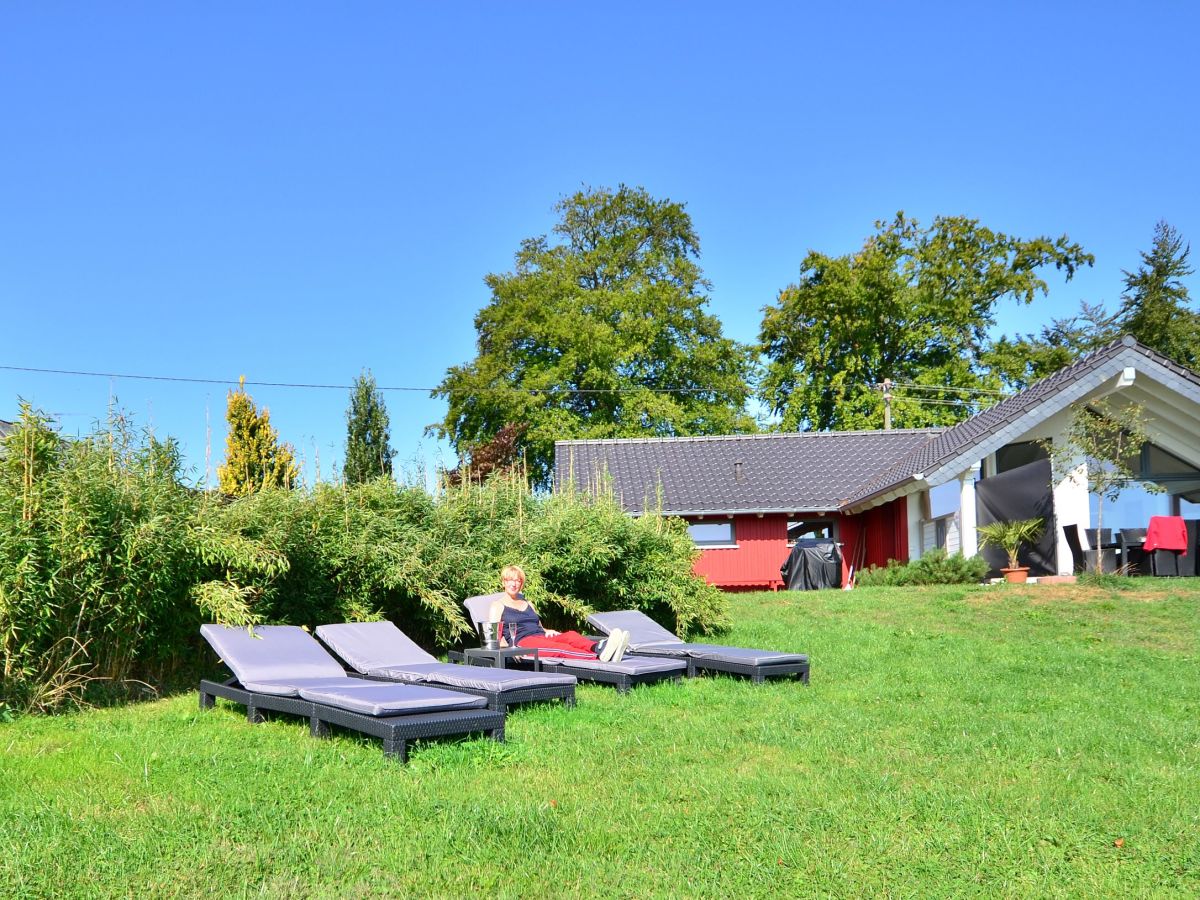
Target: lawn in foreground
x,y
1029,741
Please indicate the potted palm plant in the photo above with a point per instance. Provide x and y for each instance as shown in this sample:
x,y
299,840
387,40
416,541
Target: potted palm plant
x,y
1011,537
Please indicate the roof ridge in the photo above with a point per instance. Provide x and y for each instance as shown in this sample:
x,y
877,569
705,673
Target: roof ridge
x,y
759,435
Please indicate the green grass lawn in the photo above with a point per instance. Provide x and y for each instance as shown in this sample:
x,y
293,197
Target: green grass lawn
x,y
1005,741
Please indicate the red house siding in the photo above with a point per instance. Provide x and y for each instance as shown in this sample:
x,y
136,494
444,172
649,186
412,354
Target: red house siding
x,y
754,563
873,537
869,538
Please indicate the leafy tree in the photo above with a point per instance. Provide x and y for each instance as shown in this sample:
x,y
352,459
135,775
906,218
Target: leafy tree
x,y
1107,440
600,333
254,458
498,456
913,305
1154,306
1020,361
368,448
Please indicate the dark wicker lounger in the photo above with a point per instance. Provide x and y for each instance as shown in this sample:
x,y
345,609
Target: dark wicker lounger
x,y
622,675
648,638
381,651
283,669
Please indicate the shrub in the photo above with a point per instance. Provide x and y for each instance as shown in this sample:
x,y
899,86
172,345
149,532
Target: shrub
x,y
382,550
935,567
107,563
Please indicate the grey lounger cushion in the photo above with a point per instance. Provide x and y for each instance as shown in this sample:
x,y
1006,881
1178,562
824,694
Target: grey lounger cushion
x,y
646,634
480,678
373,645
478,607
272,656
286,661
629,665
291,687
643,630
383,650
741,655
376,699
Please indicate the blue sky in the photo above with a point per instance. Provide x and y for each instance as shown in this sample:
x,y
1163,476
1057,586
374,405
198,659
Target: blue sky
x,y
296,191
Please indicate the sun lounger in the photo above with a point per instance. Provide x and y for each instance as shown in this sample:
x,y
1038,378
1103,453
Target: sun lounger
x,y
648,638
381,651
622,675
281,668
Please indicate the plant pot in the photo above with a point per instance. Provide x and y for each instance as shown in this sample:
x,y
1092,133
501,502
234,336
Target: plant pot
x,y
1018,575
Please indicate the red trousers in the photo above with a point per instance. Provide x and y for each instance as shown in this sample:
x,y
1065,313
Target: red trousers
x,y
567,645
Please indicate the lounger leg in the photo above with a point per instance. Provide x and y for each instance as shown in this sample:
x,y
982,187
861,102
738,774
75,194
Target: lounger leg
x,y
317,728
397,748
804,676
497,734
206,700
758,678
623,686
254,715
569,702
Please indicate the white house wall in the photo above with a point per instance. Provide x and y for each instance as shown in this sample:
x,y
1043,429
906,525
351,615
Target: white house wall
x,y
1070,504
917,544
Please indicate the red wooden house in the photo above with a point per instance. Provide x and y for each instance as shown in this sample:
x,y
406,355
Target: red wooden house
x,y
747,498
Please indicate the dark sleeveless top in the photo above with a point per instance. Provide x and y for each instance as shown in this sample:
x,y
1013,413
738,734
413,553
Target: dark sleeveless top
x,y
526,622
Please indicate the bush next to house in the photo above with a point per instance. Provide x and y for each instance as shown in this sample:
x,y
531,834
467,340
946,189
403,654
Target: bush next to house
x,y
109,562
935,567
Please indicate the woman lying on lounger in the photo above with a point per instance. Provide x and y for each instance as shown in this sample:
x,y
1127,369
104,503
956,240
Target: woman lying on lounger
x,y
520,625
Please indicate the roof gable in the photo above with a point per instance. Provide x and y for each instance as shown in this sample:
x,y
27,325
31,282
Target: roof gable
x,y
957,448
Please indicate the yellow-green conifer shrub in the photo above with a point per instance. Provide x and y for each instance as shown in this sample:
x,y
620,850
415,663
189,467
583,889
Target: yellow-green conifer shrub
x,y
254,458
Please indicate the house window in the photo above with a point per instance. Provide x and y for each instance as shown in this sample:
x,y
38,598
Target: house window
x,y
808,528
1014,456
712,534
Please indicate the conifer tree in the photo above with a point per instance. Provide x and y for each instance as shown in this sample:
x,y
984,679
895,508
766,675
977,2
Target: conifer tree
x,y
254,458
368,441
1154,306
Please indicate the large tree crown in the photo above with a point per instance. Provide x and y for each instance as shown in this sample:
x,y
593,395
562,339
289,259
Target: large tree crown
x,y
599,331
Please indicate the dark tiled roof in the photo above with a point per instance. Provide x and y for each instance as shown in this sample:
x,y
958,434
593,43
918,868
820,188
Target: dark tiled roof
x,y
5,428
957,447
790,472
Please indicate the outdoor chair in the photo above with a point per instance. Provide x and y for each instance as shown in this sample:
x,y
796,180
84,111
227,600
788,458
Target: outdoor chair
x,y
1084,560
622,675
1135,560
281,668
1078,559
1189,565
382,652
648,638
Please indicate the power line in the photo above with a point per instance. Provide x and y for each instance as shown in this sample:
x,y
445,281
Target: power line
x,y
550,391
346,387
936,387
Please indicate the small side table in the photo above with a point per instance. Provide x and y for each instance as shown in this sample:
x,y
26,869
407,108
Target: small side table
x,y
497,658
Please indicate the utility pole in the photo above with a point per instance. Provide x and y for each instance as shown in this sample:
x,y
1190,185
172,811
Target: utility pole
x,y
887,404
